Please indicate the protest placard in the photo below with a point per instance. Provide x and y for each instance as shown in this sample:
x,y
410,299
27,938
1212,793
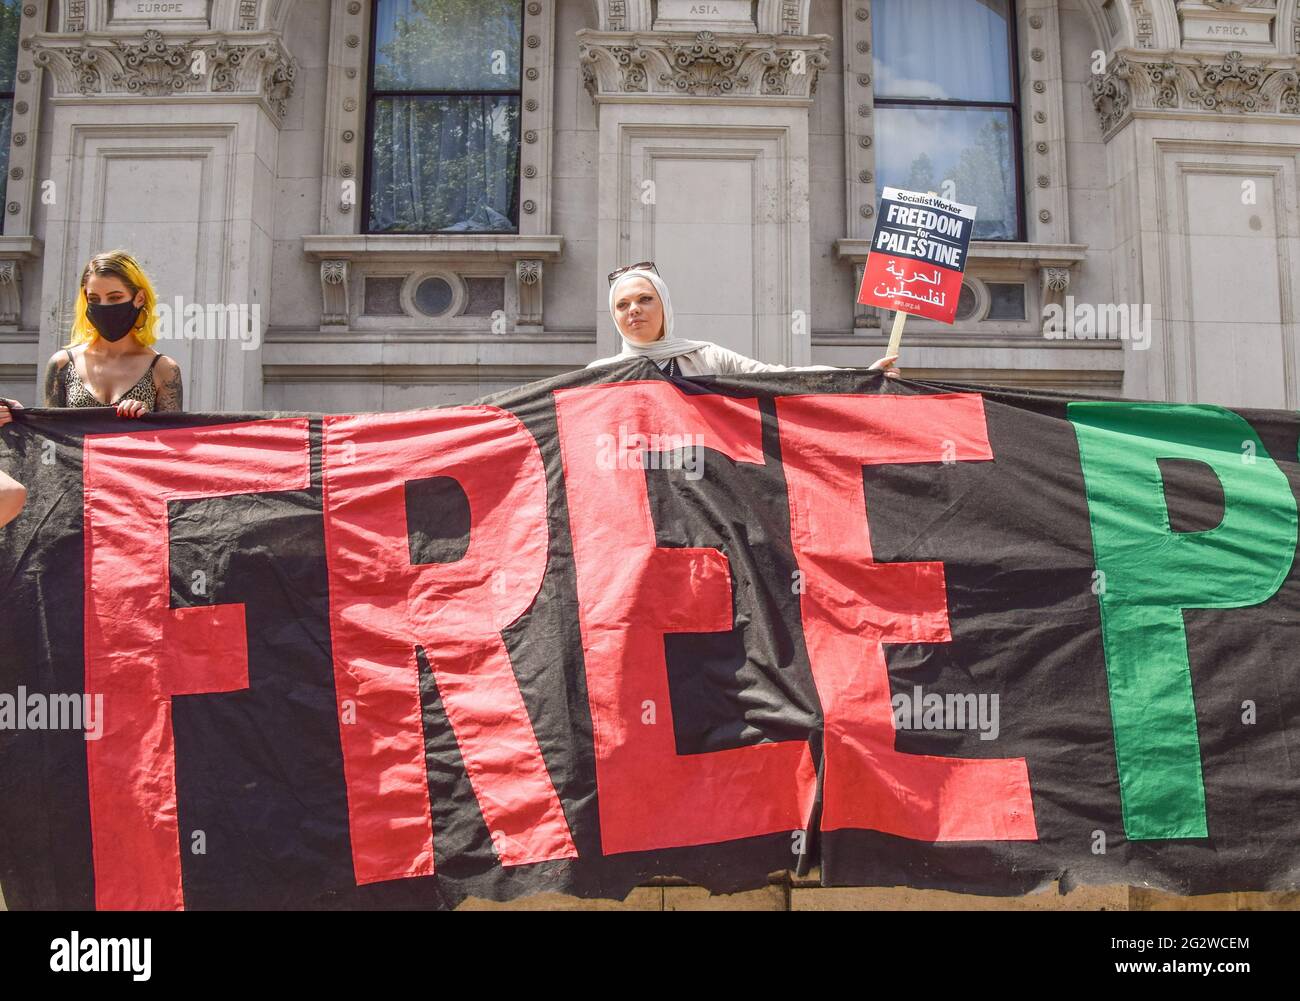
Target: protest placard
x,y
918,255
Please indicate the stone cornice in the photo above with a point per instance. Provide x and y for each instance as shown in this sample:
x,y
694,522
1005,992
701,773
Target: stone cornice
x,y
426,246
1145,81
151,65
701,66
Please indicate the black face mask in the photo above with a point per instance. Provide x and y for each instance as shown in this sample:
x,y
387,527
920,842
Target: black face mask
x,y
113,322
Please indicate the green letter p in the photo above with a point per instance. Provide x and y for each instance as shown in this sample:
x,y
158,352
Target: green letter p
x,y
1151,573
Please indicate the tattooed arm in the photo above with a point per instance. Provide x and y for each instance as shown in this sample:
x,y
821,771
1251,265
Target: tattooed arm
x,y
167,380
55,394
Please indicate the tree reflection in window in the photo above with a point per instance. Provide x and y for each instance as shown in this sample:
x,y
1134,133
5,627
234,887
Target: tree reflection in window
x,y
444,116
946,106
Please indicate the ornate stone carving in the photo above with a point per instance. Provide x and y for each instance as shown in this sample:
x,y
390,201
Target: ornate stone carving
x,y
1056,279
528,274
791,21
702,65
334,291
11,276
153,66
1054,283
631,63
248,14
1110,96
1144,24
616,16
74,18
1235,84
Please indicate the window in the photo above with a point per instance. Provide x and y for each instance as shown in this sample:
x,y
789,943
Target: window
x,y
11,13
946,105
443,117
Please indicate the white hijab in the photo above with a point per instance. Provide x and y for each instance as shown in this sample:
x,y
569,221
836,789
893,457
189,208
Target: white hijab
x,y
669,345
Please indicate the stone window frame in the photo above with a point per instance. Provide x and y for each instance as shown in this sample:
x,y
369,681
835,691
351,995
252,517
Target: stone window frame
x,y
346,254
1045,260
1016,106
366,147
455,282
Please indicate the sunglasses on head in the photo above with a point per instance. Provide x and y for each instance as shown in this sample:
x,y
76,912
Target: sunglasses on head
x,y
643,266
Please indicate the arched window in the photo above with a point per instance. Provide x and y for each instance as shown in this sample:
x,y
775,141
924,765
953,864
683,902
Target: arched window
x,y
11,12
442,119
947,115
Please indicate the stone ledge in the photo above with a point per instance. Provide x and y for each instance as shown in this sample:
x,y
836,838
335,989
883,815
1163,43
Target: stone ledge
x,y
1025,256
431,246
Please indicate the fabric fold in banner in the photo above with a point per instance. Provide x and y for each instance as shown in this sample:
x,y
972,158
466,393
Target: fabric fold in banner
x,y
612,626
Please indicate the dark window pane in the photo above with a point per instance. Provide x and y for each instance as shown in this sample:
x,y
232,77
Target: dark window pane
x,y
433,296
444,163
11,12
1006,301
447,44
919,148
966,302
941,50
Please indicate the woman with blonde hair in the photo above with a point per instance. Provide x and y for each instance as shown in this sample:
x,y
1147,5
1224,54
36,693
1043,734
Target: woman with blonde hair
x,y
643,313
110,361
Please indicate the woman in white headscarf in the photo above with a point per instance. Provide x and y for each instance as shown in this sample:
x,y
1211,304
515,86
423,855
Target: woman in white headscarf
x,y
643,312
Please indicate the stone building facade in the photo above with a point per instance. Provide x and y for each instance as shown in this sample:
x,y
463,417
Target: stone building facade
x,y
1149,160
1150,151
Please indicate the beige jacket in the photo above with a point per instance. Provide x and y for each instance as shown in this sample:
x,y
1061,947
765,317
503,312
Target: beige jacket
x,y
714,359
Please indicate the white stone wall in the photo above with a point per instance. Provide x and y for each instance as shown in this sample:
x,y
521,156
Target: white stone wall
x,y
1132,196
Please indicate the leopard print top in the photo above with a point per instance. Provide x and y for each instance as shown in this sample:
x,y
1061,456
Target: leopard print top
x,y
77,394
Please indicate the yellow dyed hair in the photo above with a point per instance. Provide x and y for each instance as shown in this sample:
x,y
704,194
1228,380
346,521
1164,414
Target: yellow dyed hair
x,y
121,265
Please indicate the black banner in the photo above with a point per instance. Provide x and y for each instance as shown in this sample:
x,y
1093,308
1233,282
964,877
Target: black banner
x,y
615,625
